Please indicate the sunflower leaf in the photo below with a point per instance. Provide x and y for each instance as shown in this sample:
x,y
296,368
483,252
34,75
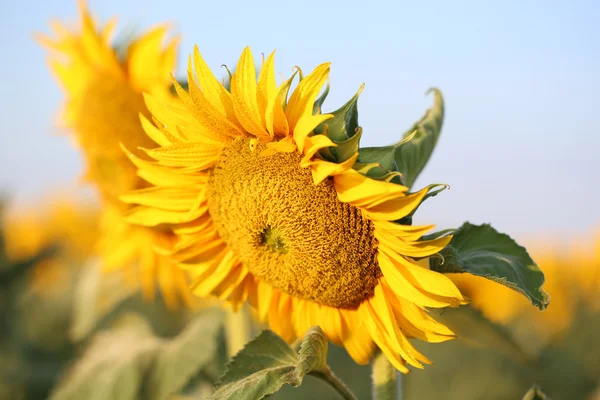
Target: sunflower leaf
x,y
313,352
410,155
182,358
267,363
483,251
113,366
259,369
535,393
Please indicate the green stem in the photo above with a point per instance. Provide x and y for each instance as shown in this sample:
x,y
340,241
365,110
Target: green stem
x,y
335,382
384,378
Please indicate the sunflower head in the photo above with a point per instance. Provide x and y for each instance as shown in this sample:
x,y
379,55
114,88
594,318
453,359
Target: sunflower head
x,y
104,94
269,203
104,89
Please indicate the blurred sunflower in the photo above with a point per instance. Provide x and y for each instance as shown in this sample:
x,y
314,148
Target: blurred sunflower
x,y
66,224
104,101
585,256
262,215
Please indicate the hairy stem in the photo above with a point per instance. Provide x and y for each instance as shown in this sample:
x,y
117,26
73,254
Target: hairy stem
x,y
335,382
384,379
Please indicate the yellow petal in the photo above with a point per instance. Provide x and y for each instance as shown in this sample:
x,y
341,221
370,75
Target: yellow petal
x,y
412,249
369,318
415,321
426,280
403,286
322,169
356,338
175,199
316,143
275,119
266,89
243,91
359,190
151,217
302,100
305,126
156,134
396,208
212,89
380,307
193,155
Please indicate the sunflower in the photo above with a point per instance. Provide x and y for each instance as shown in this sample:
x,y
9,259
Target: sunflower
x,y
64,223
262,213
104,101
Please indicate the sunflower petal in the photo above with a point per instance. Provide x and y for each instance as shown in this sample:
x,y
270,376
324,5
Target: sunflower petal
x,y
243,91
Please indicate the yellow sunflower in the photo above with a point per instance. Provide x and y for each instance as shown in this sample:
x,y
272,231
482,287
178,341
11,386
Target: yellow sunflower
x,y
104,101
64,223
585,263
261,215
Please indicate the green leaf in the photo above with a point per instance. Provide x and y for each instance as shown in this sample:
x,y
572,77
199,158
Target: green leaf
x,y
410,155
186,355
481,250
313,352
96,295
535,393
259,369
112,367
267,363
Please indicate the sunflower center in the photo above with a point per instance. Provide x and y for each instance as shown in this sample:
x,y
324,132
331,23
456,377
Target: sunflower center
x,y
107,114
289,232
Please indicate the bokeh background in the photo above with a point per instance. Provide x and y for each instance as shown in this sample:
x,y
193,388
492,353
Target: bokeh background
x,y
519,149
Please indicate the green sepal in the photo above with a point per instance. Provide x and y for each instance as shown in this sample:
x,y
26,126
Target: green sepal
x,y
410,155
319,102
344,123
347,148
483,251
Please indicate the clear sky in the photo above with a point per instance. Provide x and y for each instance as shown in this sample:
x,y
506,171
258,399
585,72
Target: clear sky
x,y
520,141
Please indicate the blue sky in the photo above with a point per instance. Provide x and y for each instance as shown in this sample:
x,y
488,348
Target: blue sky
x,y
520,78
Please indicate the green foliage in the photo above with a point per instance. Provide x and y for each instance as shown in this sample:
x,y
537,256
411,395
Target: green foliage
x,y
342,129
481,250
267,363
410,155
113,366
182,358
566,367
129,361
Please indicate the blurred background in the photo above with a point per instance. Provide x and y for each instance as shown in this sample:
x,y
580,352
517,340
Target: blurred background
x,y
519,143
518,148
